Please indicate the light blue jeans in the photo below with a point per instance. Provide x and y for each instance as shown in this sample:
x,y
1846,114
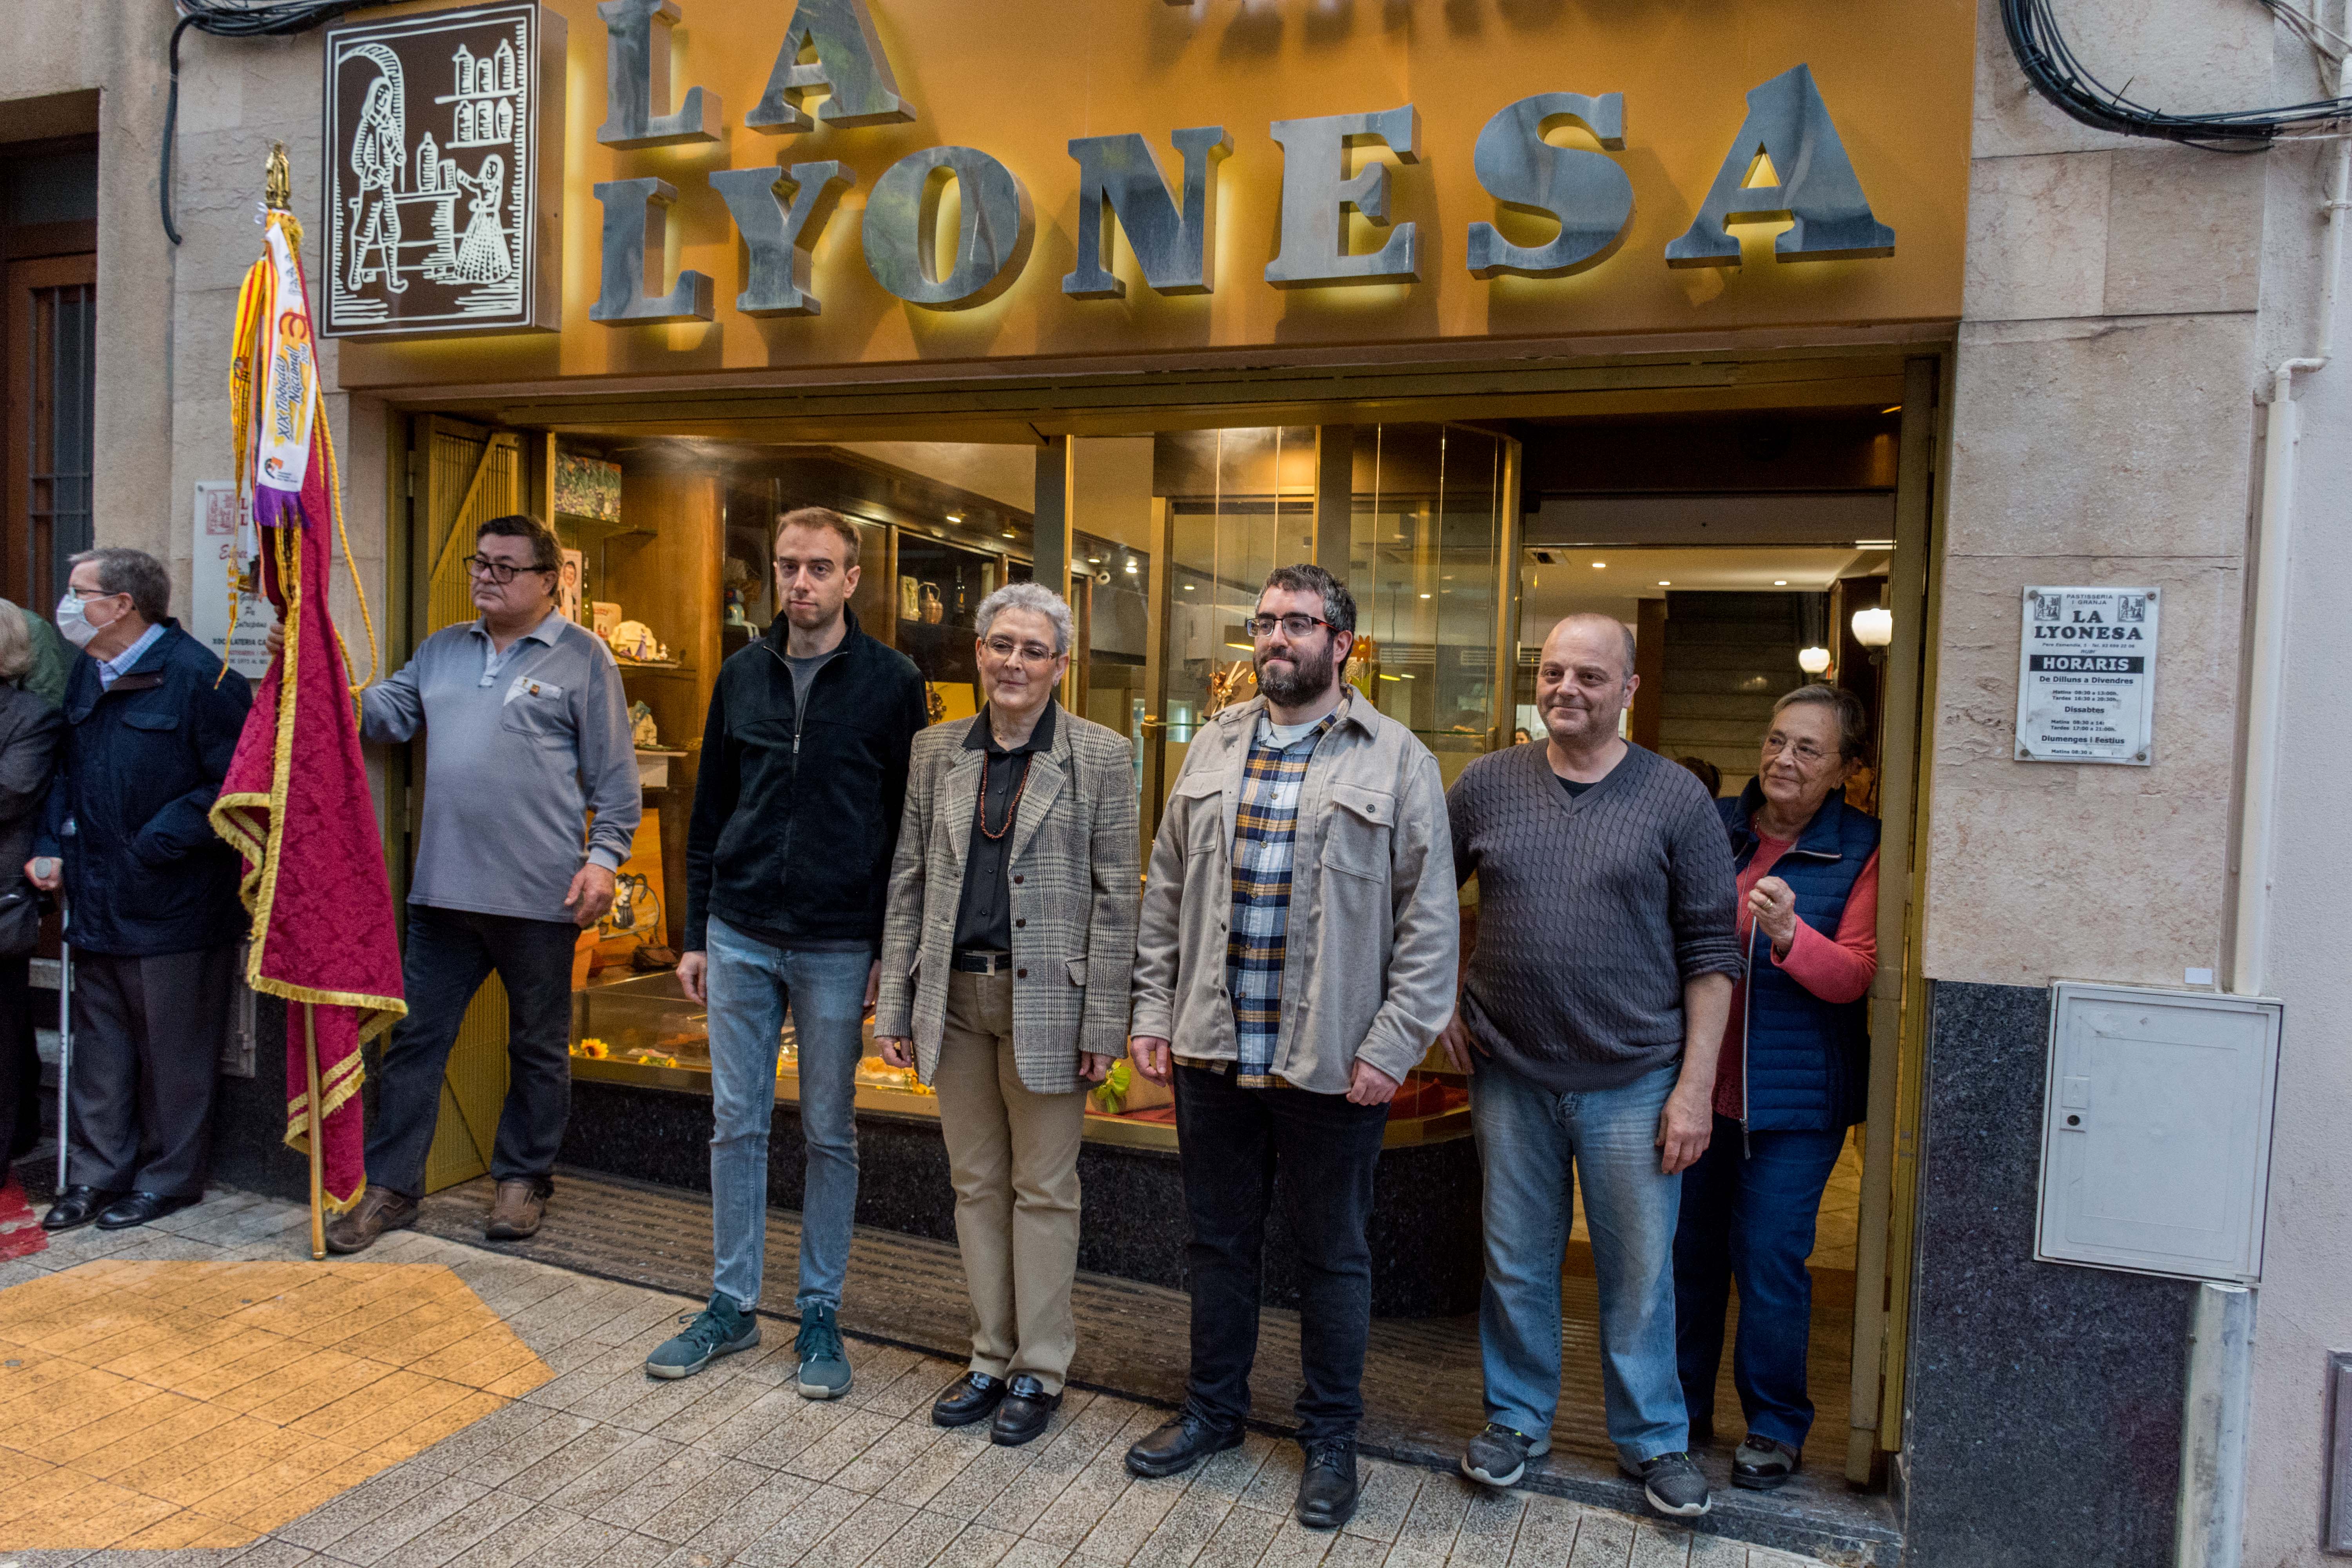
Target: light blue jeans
x,y
1530,1142
750,985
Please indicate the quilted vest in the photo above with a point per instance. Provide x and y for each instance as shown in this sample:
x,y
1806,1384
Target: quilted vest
x,y
1807,1061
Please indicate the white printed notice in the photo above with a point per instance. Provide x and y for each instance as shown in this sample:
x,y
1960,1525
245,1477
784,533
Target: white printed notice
x,y
209,604
2086,676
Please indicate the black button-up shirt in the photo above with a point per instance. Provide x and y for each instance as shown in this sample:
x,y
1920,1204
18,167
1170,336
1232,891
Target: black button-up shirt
x,y
984,915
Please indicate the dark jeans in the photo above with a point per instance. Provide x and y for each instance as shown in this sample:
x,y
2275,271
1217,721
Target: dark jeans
x,y
146,1059
1752,1220
1235,1143
450,953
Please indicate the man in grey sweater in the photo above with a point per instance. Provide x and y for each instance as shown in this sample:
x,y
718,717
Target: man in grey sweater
x,y
1592,1007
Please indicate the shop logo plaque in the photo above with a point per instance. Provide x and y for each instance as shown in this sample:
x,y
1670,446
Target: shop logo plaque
x,y
445,162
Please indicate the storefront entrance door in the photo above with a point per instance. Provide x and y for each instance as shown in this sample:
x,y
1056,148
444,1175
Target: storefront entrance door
x,y
466,474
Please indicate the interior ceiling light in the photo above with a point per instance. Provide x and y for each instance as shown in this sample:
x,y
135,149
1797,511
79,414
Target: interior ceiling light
x,y
1780,581
1873,628
1130,568
955,517
1188,587
1896,409
1813,660
1599,564
1663,583
1424,595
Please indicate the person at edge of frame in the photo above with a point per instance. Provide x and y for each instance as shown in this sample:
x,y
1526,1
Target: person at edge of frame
x,y
1004,983
1594,1002
1795,1075
529,735
150,723
1295,960
797,814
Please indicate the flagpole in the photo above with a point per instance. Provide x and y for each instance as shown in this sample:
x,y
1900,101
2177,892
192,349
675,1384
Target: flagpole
x,y
317,1138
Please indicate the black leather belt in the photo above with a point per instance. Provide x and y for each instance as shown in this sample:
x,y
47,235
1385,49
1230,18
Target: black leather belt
x,y
981,963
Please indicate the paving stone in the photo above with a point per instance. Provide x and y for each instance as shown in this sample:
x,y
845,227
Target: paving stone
x,y
1547,1533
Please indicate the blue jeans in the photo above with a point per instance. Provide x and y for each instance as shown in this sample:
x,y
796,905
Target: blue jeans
x,y
1752,1220
1530,1140
750,985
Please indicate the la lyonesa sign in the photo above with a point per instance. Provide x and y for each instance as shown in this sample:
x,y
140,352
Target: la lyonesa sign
x,y
727,185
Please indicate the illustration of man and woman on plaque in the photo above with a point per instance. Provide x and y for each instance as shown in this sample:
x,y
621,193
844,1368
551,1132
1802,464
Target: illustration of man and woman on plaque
x,y
483,252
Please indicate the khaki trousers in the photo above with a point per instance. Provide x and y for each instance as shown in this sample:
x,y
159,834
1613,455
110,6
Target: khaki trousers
x,y
1014,1156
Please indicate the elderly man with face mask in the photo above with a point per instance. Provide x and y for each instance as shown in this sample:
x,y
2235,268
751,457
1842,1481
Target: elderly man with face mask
x,y
1295,960
1592,1008
1004,969
151,721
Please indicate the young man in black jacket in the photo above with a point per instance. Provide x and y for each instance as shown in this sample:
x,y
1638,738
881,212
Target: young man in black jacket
x,y
797,809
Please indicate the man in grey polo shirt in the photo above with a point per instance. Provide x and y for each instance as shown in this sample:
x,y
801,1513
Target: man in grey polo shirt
x,y
529,735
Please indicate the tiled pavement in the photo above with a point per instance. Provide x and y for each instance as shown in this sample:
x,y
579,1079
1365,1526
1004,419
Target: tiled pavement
x,y
600,1465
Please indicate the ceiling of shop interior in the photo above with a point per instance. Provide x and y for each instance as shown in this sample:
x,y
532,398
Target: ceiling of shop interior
x,y
1573,583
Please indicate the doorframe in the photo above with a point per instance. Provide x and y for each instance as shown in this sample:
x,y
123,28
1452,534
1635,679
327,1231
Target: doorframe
x,y
1885,1237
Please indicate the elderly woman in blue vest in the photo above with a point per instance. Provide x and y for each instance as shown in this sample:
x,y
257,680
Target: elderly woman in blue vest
x,y
1792,1079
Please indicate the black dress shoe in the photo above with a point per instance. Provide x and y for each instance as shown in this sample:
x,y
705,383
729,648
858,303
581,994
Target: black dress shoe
x,y
1328,1489
139,1208
1762,1464
972,1398
1026,1409
1179,1444
76,1207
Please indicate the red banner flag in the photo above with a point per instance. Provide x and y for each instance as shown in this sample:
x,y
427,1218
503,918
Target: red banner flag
x,y
296,802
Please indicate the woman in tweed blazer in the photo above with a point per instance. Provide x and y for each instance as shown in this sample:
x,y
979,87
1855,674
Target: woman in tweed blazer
x,y
1005,952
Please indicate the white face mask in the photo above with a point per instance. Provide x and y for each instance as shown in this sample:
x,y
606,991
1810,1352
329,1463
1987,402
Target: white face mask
x,y
73,620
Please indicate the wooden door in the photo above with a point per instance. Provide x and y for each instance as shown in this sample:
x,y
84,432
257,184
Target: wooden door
x,y
466,474
52,313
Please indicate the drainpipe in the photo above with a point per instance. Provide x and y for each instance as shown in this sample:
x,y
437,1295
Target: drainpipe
x,y
2210,1531
2273,529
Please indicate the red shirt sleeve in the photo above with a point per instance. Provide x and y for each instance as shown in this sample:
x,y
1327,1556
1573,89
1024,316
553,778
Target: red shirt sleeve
x,y
1840,969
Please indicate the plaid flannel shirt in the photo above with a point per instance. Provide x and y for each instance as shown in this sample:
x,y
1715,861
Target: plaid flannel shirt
x,y
1265,828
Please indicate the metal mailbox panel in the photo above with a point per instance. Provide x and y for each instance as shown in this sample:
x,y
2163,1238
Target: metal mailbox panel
x,y
2155,1137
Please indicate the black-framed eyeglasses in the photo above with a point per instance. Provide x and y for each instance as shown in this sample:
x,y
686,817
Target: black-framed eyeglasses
x,y
500,572
1298,625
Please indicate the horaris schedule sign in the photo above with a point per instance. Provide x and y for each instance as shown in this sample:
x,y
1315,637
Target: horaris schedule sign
x,y
2086,676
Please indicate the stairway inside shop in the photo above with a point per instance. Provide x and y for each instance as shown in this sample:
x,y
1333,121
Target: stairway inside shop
x,y
1421,1379
1728,657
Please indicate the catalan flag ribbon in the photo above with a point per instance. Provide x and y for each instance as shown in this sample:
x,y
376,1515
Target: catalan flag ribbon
x,y
296,803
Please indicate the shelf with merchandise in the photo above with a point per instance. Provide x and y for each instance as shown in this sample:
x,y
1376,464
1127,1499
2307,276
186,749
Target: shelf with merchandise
x,y
643,1031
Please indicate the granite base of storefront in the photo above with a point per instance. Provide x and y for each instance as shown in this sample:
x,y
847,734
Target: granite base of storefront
x,y
1424,1243
2042,1402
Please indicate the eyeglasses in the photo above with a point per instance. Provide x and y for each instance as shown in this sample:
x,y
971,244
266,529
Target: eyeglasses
x,y
1297,626
1029,653
1805,751
499,571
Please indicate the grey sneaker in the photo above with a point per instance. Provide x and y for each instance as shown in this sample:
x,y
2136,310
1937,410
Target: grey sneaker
x,y
1498,1456
825,1364
1673,1483
720,1329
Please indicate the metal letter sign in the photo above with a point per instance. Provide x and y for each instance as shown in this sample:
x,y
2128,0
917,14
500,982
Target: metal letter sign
x,y
444,163
1587,194
2086,676
777,240
1315,185
637,84
1175,249
1789,125
849,64
992,238
633,252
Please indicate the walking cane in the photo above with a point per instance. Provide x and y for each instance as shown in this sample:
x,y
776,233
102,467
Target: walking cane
x,y
64,1029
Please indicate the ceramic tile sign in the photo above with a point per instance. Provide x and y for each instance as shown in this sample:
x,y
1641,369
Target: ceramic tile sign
x,y
215,602
2086,676
445,164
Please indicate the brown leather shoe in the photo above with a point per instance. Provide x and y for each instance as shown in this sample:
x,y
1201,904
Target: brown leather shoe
x,y
380,1210
517,1213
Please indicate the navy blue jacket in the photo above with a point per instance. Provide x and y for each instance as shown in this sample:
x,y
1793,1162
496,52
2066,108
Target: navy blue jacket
x,y
129,811
1807,1061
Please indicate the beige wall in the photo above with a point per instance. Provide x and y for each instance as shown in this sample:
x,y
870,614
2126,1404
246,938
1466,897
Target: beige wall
x,y
2101,431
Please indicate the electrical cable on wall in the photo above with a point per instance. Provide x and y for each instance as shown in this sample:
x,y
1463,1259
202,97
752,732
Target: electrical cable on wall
x,y
2052,66
234,19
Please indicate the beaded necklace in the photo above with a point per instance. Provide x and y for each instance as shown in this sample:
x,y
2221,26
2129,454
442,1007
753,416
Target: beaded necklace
x,y
980,806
